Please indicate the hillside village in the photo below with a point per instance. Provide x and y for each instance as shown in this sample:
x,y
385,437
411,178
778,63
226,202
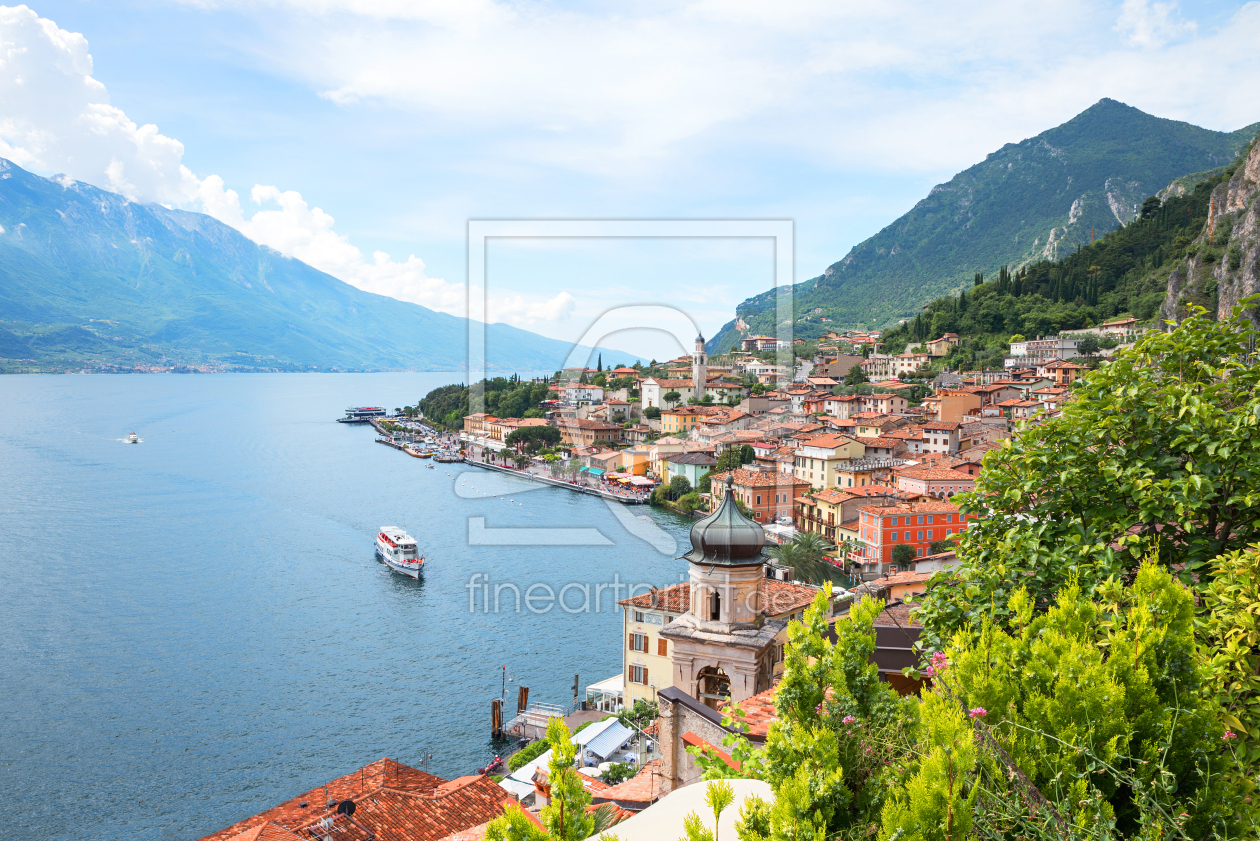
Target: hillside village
x,y
816,447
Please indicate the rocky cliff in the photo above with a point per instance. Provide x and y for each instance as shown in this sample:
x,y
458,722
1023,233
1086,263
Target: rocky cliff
x,y
1224,263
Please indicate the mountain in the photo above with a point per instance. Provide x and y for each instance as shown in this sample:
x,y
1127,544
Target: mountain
x,y
1222,266
1032,200
88,278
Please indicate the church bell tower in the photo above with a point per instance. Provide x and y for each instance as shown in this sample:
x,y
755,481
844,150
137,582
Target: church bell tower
x,y
699,369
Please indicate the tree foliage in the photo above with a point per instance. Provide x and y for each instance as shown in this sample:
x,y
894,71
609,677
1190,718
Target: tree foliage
x,y
533,438
1157,456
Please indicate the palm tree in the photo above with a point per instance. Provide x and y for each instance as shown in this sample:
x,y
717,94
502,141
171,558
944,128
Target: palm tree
x,y
805,554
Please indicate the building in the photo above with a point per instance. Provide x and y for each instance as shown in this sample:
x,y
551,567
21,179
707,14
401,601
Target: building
x,y
767,493
727,646
943,345
385,801
654,391
692,466
880,366
1033,351
934,482
918,525
680,421
700,367
579,432
752,343
884,404
909,363
951,405
476,425
941,436
583,394
816,460
824,512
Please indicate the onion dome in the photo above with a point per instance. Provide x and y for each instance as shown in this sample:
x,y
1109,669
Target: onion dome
x,y
726,537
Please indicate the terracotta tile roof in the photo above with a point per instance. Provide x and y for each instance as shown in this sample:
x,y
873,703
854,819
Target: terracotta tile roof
x,y
394,803
759,713
777,597
921,507
760,479
267,832
885,441
675,599
937,474
829,440
938,425
906,578
780,597
671,383
894,615
639,791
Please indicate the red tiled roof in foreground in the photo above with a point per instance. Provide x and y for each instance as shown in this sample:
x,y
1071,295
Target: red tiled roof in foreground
x,y
636,793
393,802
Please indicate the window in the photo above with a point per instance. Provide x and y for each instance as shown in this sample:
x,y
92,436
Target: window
x,y
920,519
948,532
662,648
638,616
894,537
639,642
929,537
638,674
920,534
929,522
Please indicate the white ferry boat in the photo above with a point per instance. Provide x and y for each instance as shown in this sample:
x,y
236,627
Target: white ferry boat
x,y
133,438
398,550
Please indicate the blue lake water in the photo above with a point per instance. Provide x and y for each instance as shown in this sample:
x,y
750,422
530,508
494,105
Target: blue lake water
x,y
195,628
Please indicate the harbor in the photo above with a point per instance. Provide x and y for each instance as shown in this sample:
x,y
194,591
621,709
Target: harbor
x,y
446,448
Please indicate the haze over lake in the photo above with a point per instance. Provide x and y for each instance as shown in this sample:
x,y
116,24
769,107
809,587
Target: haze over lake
x,y
195,628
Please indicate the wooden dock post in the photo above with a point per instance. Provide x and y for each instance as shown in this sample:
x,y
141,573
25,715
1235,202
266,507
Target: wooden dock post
x,y
496,718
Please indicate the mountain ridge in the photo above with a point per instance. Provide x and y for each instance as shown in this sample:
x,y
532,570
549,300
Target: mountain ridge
x,y
89,276
1030,200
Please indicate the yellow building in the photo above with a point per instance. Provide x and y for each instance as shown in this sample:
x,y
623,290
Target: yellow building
x,y
680,420
818,459
635,460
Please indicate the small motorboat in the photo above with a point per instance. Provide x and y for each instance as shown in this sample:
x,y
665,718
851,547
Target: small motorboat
x,y
133,438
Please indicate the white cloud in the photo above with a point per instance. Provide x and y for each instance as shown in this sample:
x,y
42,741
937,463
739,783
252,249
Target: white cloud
x,y
287,223
635,90
1144,23
56,117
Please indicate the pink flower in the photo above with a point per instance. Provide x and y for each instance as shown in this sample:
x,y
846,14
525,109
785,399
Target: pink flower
x,y
929,672
848,719
1229,734
818,709
977,712
940,662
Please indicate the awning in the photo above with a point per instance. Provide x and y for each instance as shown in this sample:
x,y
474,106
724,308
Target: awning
x,y
610,741
516,787
640,480
595,471
615,684
583,470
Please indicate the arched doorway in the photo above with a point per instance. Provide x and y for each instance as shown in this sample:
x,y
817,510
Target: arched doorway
x,y
713,687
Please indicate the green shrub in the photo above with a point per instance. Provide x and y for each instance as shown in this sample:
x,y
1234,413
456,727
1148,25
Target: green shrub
x,y
527,754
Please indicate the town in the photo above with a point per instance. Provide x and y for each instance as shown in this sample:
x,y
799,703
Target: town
x,y
842,467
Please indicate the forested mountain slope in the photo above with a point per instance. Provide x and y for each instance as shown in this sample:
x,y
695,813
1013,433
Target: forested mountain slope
x,y
1035,200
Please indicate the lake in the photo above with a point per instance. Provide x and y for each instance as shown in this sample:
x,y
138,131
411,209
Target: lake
x,y
195,628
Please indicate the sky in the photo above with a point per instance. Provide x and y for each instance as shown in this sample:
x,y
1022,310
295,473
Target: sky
x,y
362,135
